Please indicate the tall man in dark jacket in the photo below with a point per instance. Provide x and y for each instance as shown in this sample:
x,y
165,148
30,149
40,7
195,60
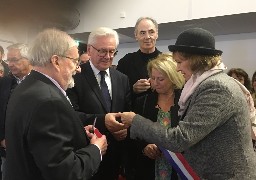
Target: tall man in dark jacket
x,y
134,65
88,96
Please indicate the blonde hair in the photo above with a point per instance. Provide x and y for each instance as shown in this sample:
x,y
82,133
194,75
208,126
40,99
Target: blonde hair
x,y
165,64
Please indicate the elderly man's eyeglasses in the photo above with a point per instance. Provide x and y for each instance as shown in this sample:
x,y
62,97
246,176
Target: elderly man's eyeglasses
x,y
103,52
13,60
76,61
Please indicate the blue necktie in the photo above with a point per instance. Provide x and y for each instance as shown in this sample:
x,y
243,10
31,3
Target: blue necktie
x,y
104,90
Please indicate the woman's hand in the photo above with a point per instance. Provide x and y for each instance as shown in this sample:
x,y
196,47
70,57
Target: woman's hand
x,y
126,118
151,151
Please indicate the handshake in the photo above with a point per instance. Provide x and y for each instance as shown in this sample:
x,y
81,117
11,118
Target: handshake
x,y
116,122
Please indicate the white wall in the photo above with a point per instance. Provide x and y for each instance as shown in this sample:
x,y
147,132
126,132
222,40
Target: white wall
x,y
95,13
239,50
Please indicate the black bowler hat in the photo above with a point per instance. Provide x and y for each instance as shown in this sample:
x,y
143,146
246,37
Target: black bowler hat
x,y
195,41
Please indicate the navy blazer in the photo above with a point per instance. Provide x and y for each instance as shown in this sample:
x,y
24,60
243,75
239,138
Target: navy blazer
x,y
87,99
86,96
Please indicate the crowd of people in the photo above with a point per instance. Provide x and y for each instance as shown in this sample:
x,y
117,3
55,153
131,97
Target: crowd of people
x,y
71,115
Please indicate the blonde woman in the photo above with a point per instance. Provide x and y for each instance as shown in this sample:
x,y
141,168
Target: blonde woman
x,y
161,105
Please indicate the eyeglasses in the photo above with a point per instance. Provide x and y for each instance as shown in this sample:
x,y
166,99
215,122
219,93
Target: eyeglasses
x,y
76,61
14,60
103,52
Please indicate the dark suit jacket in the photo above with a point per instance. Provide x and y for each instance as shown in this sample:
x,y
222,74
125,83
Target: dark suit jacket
x,y
86,97
7,84
134,65
45,137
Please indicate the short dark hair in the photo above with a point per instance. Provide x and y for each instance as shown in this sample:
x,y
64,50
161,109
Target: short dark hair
x,y
1,49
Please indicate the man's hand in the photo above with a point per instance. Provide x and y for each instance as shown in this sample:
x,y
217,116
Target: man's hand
x,y
100,142
151,151
120,135
3,143
112,124
127,118
141,85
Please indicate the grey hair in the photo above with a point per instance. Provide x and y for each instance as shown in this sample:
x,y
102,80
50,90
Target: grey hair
x,y
147,18
102,31
48,43
23,48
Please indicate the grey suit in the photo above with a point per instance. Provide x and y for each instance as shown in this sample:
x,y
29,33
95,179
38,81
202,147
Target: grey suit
x,y
214,134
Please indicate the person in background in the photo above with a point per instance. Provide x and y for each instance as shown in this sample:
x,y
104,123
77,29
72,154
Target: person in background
x,y
253,93
242,76
84,58
134,65
17,58
1,71
4,64
254,87
214,127
99,91
160,105
45,137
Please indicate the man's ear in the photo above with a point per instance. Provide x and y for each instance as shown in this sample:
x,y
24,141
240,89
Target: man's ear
x,y
135,35
88,50
55,62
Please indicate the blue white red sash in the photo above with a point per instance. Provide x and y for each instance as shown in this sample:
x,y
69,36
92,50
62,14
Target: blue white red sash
x,y
180,165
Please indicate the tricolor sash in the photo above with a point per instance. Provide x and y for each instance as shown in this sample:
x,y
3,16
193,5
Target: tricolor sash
x,y
180,164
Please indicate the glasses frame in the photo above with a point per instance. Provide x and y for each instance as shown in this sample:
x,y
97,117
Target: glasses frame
x,y
106,52
12,60
76,61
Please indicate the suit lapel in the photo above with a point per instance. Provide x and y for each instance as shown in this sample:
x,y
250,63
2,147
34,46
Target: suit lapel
x,y
93,83
114,87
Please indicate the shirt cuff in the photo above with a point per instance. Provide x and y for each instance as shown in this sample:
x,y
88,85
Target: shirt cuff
x,y
99,150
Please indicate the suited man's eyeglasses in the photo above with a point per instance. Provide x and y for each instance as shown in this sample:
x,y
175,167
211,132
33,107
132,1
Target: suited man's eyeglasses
x,y
103,52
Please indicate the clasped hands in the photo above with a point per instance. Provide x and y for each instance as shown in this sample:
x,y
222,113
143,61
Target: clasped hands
x,y
117,124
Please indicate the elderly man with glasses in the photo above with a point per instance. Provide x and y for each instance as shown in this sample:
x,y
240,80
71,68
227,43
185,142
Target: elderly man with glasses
x,y
99,91
19,65
45,137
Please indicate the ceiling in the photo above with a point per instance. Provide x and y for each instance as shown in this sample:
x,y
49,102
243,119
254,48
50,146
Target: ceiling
x,y
222,25
63,14
39,14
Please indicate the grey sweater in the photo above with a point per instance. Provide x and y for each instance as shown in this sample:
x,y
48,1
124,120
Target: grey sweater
x,y
215,134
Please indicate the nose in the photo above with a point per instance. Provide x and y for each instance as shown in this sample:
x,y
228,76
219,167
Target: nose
x,y
108,55
147,35
177,68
